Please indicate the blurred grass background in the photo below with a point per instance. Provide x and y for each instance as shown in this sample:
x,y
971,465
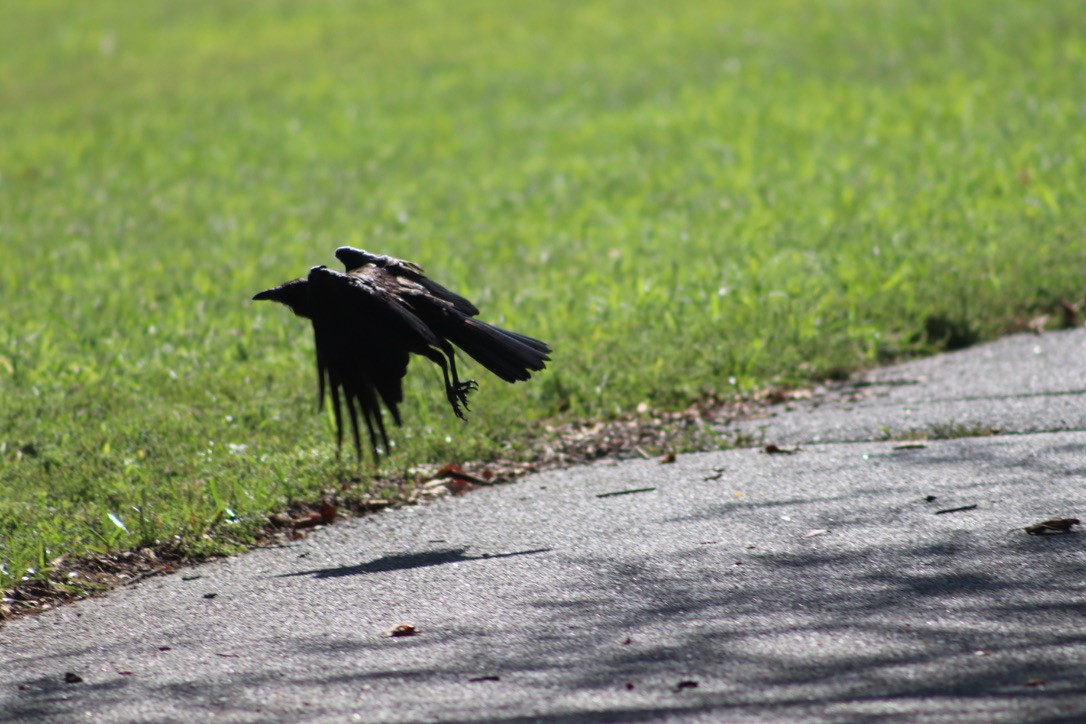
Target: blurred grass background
x,y
683,198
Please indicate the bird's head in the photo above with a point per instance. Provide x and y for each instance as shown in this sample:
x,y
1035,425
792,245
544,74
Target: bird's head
x,y
354,258
293,294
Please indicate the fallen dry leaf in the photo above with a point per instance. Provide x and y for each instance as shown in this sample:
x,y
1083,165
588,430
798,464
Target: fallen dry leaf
x,y
325,515
403,629
70,677
669,458
1055,525
775,450
307,521
457,486
281,519
815,533
687,684
1036,681
448,471
456,472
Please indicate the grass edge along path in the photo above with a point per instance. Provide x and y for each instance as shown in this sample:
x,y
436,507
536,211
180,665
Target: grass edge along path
x,y
645,433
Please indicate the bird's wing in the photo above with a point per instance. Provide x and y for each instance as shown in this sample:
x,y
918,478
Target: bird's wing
x,y
363,334
510,355
356,260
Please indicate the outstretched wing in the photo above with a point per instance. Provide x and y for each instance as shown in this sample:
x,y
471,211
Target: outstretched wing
x,y
363,335
510,355
356,259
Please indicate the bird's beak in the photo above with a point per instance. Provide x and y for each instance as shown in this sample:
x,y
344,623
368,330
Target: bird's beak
x,y
266,294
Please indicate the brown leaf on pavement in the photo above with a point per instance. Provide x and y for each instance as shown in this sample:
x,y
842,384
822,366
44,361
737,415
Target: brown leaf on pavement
x,y
1055,525
401,630
325,515
459,480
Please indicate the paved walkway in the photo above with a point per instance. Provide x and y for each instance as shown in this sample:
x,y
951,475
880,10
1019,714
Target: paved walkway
x,y
824,584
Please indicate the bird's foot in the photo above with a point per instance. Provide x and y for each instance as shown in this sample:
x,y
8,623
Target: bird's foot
x,y
458,396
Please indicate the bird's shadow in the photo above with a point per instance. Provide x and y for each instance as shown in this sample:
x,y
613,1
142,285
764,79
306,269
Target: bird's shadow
x,y
407,561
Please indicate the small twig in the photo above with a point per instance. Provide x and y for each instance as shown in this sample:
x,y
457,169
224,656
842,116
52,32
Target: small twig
x,y
777,450
624,492
454,472
956,510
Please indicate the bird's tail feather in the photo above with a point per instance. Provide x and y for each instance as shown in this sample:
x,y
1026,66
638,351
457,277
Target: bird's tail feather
x,y
509,355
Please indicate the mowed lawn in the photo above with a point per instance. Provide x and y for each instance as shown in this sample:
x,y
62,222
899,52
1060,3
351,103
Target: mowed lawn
x,y
684,198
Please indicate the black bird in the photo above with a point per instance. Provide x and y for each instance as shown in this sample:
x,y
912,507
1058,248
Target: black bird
x,y
366,323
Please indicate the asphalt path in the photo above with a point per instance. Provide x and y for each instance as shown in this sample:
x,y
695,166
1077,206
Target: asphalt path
x,y
825,583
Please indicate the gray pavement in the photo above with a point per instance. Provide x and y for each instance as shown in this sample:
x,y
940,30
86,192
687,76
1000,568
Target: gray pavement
x,y
736,586
1018,384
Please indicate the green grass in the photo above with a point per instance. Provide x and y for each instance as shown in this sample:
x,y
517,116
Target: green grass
x,y
682,197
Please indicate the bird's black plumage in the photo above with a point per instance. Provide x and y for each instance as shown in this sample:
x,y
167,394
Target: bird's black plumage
x,y
367,322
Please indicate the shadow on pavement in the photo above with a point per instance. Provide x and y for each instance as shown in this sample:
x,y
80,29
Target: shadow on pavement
x,y
776,635
407,561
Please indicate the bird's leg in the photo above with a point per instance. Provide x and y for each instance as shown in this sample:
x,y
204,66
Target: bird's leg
x,y
456,392
460,389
